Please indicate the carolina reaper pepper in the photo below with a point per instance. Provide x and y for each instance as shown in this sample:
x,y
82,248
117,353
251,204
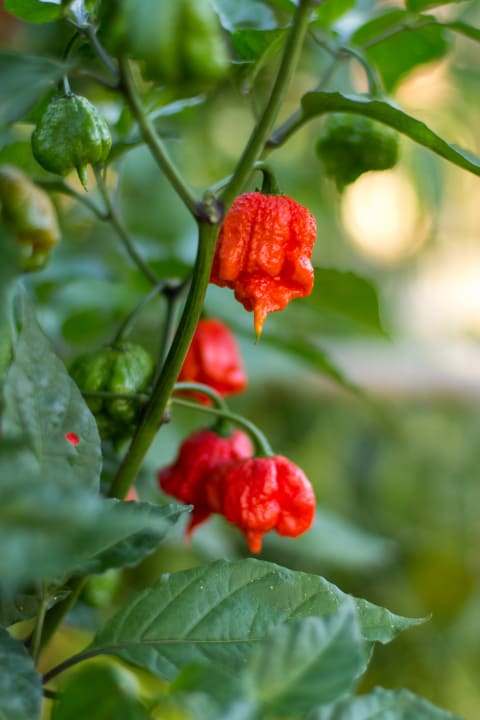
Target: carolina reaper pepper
x,y
262,494
214,359
198,456
263,253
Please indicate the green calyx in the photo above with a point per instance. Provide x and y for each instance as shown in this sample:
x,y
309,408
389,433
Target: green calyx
x,y
180,42
351,145
119,369
30,217
71,134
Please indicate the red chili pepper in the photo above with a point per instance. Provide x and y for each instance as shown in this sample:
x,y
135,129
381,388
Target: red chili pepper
x,y
198,455
262,494
263,253
214,359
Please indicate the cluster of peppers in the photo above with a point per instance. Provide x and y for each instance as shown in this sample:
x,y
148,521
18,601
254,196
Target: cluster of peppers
x,y
263,253
257,494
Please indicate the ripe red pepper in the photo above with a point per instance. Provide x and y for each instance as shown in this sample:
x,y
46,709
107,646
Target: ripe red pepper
x,y
214,359
198,456
263,253
262,494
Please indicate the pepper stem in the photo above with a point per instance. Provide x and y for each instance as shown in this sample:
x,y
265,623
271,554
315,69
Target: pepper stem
x,y
261,444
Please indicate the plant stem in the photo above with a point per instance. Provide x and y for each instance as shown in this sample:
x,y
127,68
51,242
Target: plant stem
x,y
122,232
259,136
37,632
155,409
55,615
100,51
127,325
262,446
151,138
204,390
60,186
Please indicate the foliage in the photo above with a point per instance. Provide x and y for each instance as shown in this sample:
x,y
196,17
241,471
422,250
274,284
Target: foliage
x,y
223,636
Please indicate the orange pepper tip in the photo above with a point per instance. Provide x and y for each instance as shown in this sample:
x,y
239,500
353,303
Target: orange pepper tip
x,y
254,540
259,317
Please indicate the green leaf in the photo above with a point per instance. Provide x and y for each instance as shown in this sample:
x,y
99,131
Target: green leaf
x,y
23,81
380,703
328,12
23,606
347,294
20,684
308,663
49,526
252,14
131,548
404,45
221,685
43,404
309,351
419,5
256,48
218,613
35,11
101,692
319,103
331,542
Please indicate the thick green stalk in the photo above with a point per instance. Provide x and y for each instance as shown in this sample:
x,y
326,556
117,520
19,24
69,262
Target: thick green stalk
x,y
262,130
151,138
155,409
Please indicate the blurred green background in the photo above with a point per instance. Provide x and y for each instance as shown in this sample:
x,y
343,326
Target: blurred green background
x,y
396,466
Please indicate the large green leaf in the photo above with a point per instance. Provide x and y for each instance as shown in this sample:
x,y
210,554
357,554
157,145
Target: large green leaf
x,y
220,611
100,692
307,663
380,703
20,684
396,45
35,11
347,294
43,405
111,552
319,103
50,526
23,81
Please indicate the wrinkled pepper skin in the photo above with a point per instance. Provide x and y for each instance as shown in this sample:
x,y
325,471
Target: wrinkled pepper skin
x,y
71,134
123,368
350,145
262,494
29,215
214,359
263,253
197,457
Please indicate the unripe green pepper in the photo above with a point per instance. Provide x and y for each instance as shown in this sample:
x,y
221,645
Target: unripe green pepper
x,y
122,368
29,215
100,590
179,41
351,145
71,134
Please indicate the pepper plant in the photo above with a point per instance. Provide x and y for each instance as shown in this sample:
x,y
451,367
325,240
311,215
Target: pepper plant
x,y
227,639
